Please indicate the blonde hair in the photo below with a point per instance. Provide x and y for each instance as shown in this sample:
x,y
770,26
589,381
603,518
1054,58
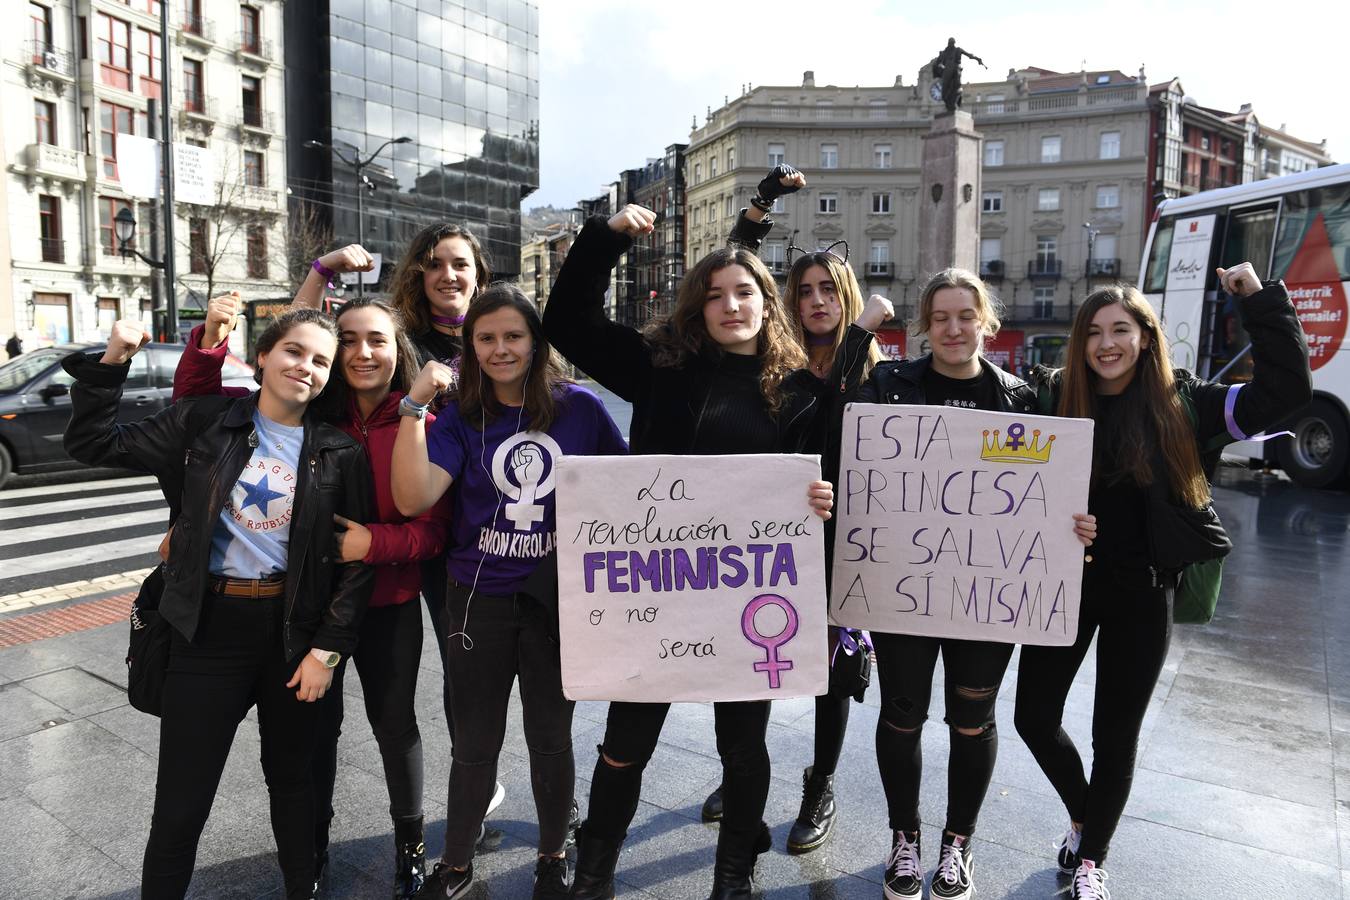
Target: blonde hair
x,y
985,303
845,288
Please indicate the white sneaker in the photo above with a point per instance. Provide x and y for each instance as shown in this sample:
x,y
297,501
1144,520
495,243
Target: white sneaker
x,y
498,795
1067,857
1089,883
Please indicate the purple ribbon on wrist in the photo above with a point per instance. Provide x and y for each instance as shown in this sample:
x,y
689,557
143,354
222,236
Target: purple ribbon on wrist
x,y
1230,404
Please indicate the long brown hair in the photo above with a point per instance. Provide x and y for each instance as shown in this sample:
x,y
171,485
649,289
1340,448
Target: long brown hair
x,y
478,403
1151,413
845,288
677,338
405,290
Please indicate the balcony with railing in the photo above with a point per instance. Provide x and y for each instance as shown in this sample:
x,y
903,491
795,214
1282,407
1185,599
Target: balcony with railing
x,y
50,161
196,28
257,195
250,48
1045,269
53,249
256,119
880,271
44,57
1103,268
991,269
197,104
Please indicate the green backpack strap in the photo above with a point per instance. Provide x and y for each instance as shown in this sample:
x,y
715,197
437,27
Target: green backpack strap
x,y
1218,442
1045,402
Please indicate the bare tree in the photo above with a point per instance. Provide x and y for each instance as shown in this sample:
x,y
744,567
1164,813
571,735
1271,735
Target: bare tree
x,y
309,235
219,231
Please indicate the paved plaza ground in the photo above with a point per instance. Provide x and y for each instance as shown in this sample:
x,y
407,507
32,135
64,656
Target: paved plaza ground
x,y
1242,791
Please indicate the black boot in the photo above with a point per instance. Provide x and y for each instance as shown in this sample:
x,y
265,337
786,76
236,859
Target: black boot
x,y
320,870
734,870
712,807
410,857
593,878
816,819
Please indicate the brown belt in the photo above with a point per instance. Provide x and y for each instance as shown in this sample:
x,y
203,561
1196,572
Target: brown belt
x,y
251,588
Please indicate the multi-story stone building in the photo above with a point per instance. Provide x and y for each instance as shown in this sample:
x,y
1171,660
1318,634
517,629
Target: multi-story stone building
x,y
650,272
462,86
77,78
1066,183
540,258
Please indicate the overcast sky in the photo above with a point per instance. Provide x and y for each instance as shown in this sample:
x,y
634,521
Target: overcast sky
x,y
622,79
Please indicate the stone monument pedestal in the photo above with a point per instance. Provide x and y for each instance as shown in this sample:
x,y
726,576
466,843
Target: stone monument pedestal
x,y
949,195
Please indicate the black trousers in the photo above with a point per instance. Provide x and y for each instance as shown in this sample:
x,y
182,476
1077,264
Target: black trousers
x,y
434,582
1132,620
972,674
387,658
509,637
631,734
235,662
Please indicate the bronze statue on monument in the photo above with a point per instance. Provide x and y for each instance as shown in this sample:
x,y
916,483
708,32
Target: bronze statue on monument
x,y
946,67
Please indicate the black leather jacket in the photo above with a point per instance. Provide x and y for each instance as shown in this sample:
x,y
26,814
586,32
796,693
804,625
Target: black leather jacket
x,y
198,447
902,382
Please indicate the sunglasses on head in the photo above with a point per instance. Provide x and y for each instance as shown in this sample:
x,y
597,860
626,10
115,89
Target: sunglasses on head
x,y
793,250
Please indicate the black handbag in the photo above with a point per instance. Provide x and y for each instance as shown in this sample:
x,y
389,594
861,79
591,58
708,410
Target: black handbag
x,y
148,648
850,663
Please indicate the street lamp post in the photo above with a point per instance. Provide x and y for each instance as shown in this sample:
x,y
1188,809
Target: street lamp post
x,y
1091,244
124,229
358,164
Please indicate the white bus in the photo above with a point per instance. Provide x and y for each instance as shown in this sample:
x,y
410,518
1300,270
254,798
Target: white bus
x,y
1296,228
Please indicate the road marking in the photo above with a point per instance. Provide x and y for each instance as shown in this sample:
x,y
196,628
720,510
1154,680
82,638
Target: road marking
x,y
57,593
33,533
78,556
57,490
78,503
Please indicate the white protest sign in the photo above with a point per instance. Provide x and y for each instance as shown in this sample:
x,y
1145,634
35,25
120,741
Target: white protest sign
x,y
959,523
138,165
690,578
1188,263
193,175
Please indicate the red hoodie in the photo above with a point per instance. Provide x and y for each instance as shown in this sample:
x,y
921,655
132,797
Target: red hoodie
x,y
397,544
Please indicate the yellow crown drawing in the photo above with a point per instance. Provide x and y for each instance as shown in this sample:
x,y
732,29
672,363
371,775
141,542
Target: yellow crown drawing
x,y
1016,448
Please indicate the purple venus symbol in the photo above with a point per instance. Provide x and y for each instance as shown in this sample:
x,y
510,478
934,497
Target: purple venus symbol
x,y
771,664
1016,436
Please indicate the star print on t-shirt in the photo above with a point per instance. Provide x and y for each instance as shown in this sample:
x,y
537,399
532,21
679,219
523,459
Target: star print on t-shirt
x,y
258,494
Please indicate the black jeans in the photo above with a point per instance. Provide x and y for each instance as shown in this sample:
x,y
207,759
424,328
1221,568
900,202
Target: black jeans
x,y
235,662
1133,623
510,637
631,734
831,723
972,674
387,658
434,580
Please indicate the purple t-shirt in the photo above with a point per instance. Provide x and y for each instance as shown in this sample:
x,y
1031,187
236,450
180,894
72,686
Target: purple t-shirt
x,y
504,501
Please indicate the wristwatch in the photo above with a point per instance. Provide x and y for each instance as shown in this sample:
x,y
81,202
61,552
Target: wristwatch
x,y
329,658
408,407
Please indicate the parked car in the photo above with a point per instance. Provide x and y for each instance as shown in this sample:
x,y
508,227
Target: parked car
x,y
35,401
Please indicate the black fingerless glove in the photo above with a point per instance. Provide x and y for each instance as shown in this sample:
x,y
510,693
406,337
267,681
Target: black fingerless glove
x,y
771,188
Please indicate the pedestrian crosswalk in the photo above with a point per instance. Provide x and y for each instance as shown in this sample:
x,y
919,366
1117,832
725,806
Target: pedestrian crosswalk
x,y
75,532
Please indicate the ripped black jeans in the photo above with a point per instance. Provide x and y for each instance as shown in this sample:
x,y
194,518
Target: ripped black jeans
x,y
973,671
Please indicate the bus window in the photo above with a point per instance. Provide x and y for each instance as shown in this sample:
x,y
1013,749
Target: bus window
x,y
1250,234
1301,209
1155,277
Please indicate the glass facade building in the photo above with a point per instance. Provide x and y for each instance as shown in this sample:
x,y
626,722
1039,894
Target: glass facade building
x,y
460,78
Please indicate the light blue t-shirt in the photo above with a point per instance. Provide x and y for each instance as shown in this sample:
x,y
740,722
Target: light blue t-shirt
x,y
253,532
